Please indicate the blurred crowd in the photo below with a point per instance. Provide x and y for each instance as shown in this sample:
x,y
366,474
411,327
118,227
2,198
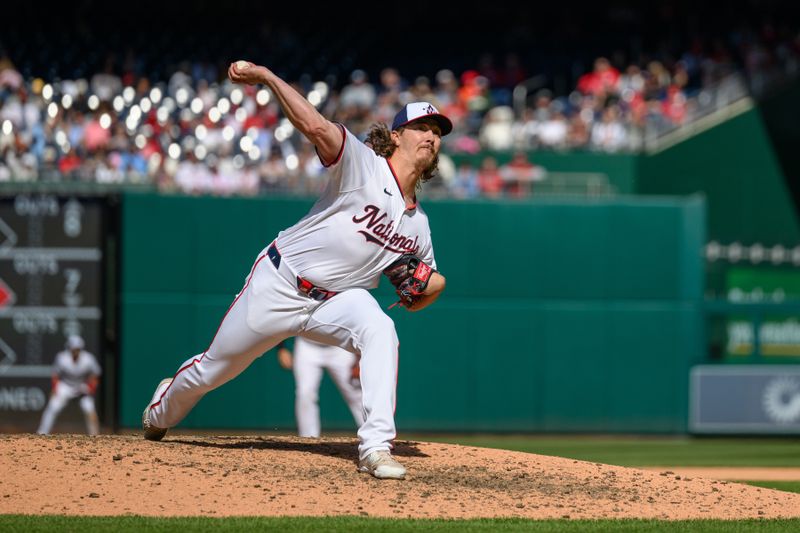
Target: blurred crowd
x,y
197,133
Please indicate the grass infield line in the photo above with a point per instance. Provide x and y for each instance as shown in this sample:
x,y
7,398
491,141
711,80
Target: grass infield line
x,y
26,523
641,450
788,486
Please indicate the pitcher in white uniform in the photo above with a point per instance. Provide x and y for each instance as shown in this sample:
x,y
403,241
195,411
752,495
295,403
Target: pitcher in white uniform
x,y
312,280
308,361
76,374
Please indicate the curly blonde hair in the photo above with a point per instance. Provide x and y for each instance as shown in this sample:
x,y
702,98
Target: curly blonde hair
x,y
379,139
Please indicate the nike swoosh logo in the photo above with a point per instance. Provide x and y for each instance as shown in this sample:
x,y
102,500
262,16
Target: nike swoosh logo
x,y
387,191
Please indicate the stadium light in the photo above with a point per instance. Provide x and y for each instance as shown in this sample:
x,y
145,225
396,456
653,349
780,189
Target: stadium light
x,y
182,96
224,105
197,105
155,95
777,255
263,97
322,88
734,252
756,253
796,256
162,115
713,251
174,151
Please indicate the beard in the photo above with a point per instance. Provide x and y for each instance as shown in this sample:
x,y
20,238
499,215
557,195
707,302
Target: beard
x,y
429,171
426,158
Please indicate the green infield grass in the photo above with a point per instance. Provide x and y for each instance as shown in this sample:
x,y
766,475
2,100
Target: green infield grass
x,y
641,451
788,486
26,524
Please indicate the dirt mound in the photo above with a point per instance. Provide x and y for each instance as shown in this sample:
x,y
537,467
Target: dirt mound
x,y
270,476
733,473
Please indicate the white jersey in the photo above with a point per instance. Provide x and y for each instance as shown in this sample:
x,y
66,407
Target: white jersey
x,y
75,372
358,227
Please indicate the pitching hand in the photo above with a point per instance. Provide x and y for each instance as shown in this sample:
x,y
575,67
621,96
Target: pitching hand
x,y
246,72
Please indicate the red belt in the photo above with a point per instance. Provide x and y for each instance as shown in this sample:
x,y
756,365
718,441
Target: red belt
x,y
303,285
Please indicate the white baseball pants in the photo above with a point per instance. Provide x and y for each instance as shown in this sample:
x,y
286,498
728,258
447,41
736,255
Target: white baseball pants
x,y
269,309
62,394
311,359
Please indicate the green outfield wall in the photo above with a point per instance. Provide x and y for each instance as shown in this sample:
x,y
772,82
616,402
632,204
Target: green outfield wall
x,y
747,167
558,316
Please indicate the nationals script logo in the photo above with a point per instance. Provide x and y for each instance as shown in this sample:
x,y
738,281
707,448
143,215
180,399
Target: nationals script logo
x,y
382,233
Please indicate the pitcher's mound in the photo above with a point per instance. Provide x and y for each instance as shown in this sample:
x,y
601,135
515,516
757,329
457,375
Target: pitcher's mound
x,y
248,475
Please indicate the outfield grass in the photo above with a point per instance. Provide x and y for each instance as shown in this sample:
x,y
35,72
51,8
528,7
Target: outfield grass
x,y
641,451
25,524
788,486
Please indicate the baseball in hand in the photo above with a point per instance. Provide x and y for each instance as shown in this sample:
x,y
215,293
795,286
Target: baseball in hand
x,y
241,65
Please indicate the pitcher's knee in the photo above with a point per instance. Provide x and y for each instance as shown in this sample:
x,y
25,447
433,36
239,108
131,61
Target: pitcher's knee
x,y
381,330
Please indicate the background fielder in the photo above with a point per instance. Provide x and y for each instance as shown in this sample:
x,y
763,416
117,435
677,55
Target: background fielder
x,y
309,360
76,374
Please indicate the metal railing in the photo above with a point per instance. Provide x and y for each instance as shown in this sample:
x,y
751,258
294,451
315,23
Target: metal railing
x,y
714,104
583,184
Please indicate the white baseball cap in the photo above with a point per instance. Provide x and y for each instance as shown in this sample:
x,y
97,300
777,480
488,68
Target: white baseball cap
x,y
75,342
419,110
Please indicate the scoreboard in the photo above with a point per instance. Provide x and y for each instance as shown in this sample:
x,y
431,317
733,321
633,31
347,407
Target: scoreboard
x,y
52,266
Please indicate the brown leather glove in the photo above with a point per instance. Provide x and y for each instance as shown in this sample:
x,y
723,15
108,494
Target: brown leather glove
x,y
410,276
